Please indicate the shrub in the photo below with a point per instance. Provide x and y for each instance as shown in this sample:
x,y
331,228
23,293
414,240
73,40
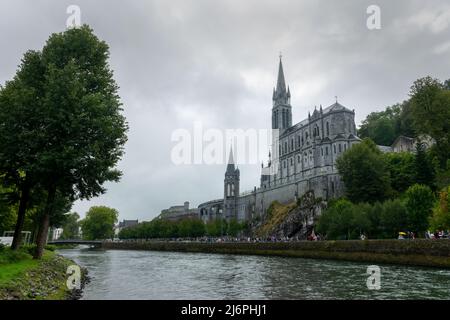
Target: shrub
x,y
11,256
419,203
393,218
441,214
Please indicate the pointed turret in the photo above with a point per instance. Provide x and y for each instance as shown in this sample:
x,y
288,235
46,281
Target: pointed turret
x,y
281,83
281,109
231,165
231,188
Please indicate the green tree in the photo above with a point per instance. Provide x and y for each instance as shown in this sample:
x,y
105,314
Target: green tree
x,y
234,227
425,173
430,100
99,223
364,172
20,134
385,126
70,226
419,204
440,219
402,169
81,113
393,218
337,221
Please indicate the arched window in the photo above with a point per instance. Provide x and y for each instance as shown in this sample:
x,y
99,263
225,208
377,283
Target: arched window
x,y
328,128
232,190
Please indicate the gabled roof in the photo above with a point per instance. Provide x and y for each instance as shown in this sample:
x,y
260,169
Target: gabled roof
x,y
400,138
336,107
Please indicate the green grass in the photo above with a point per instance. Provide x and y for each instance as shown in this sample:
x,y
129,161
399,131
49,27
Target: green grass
x,y
13,264
11,271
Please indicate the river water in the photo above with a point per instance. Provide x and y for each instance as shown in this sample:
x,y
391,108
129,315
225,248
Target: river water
x,y
120,274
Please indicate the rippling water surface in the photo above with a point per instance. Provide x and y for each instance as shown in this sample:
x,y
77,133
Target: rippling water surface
x,y
117,274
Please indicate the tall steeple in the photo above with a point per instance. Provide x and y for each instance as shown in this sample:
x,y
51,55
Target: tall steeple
x,y
230,165
281,83
231,188
281,108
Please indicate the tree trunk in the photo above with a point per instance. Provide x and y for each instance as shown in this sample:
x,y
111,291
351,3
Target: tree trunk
x,y
23,202
41,239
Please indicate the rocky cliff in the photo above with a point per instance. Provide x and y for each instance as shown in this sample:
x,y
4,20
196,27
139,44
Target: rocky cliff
x,y
294,220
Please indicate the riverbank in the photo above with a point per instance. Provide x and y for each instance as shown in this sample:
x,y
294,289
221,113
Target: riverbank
x,y
45,279
427,253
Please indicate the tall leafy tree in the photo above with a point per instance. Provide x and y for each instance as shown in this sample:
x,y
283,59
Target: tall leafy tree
x,y
84,129
20,134
430,101
385,126
424,168
402,170
419,203
99,223
364,172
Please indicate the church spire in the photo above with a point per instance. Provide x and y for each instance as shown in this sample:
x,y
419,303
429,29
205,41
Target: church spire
x,y
230,166
281,83
282,93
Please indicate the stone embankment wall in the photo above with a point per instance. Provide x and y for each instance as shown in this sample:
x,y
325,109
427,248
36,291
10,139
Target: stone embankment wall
x,y
432,253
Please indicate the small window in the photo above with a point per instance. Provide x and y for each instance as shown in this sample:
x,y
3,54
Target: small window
x,y
334,147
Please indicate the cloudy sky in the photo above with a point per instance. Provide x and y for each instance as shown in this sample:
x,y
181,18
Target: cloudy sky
x,y
215,61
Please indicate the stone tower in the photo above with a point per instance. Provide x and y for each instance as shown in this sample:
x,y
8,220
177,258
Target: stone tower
x,y
231,189
281,108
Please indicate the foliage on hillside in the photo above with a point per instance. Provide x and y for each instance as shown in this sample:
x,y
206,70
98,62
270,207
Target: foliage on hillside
x,y
276,214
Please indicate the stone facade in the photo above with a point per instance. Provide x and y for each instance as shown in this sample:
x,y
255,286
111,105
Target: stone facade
x,y
176,213
303,159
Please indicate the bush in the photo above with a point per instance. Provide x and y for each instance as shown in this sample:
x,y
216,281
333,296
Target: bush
x,y
393,218
441,214
419,203
11,256
31,248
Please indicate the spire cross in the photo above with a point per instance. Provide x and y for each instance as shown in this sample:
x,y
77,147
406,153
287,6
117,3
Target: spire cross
x,y
281,56
336,99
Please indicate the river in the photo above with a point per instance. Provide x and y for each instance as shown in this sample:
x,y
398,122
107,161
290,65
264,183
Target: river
x,y
119,274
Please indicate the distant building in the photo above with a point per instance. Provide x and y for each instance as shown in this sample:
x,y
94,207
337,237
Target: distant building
x,y
180,212
55,233
125,224
403,144
408,144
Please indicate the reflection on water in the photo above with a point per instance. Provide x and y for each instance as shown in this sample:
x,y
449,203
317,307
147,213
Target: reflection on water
x,y
117,274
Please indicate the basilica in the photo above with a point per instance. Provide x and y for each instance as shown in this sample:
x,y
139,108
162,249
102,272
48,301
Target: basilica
x,y
302,159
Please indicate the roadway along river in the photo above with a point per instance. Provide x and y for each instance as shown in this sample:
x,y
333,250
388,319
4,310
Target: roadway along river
x,y
117,274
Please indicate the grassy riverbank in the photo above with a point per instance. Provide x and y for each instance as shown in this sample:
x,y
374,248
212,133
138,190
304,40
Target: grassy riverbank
x,y
417,252
22,278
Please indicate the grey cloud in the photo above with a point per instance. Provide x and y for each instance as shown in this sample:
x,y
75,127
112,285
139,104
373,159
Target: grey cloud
x,y
178,61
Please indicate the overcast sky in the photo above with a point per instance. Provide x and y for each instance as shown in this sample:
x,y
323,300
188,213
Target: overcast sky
x,y
216,61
